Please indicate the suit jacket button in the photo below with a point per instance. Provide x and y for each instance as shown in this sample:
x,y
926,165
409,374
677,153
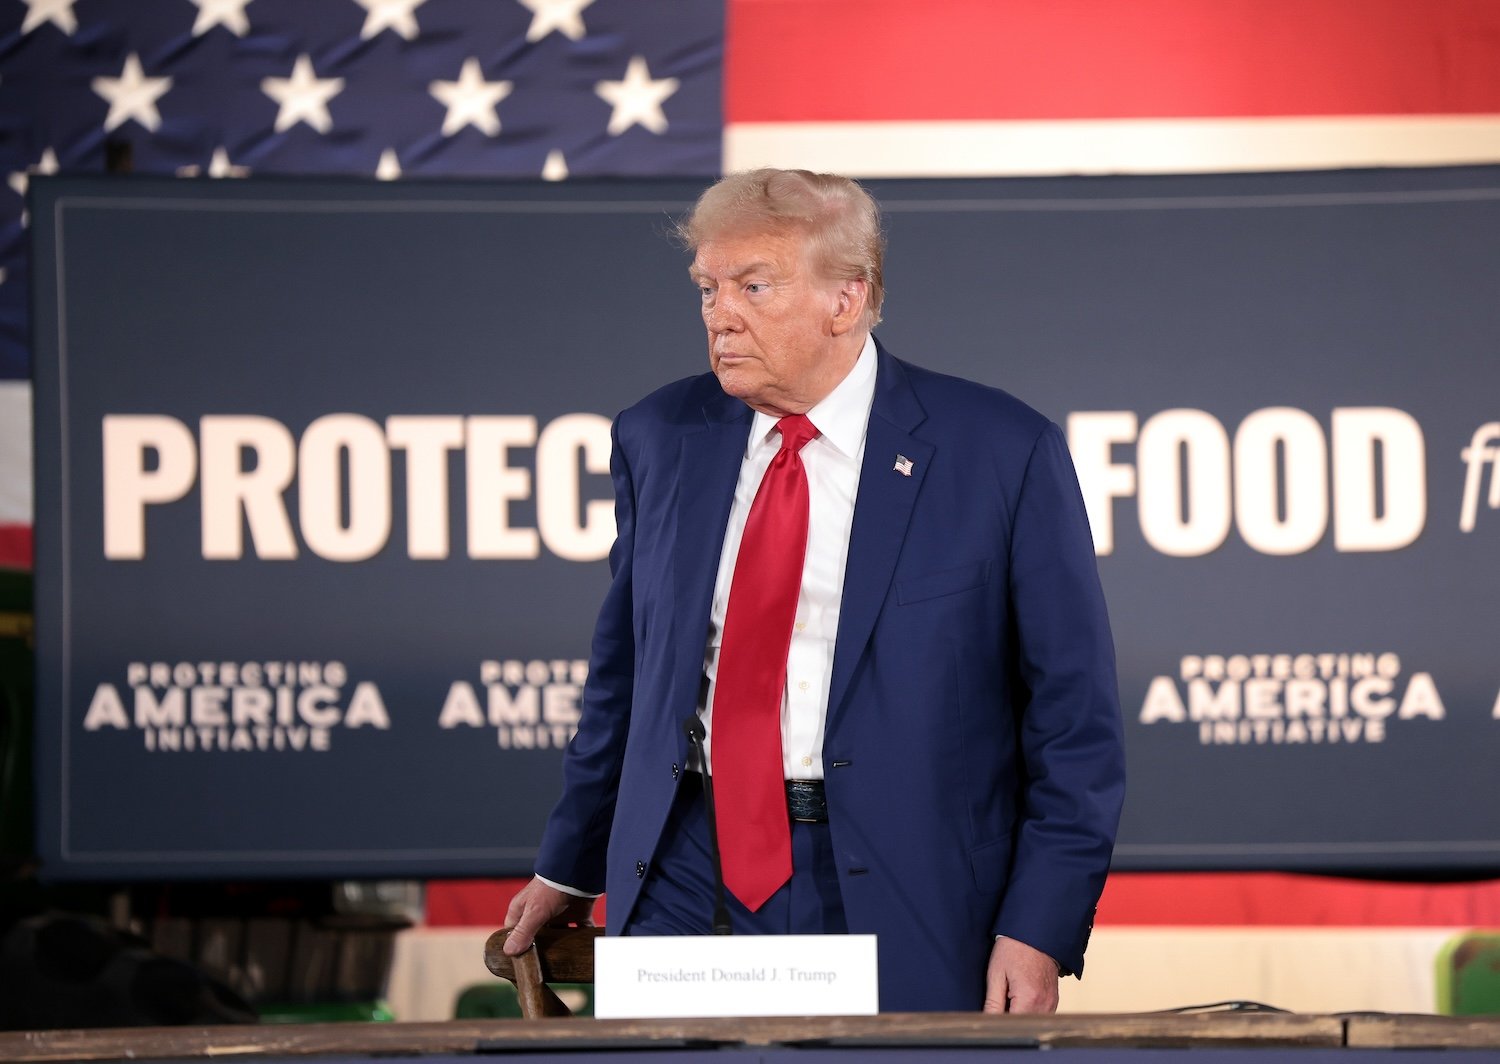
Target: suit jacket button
x,y
640,870
674,770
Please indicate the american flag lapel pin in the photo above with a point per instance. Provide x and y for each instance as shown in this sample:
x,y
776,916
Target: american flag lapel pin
x,y
903,465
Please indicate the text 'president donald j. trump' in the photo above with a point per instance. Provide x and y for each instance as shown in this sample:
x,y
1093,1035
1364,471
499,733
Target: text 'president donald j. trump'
x,y
875,584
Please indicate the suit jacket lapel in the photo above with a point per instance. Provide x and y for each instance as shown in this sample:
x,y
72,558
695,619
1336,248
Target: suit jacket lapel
x,y
882,511
708,470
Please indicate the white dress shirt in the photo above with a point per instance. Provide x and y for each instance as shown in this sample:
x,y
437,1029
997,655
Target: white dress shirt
x,y
832,462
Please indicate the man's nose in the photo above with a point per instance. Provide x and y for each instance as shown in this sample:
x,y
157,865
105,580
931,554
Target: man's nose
x,y
722,316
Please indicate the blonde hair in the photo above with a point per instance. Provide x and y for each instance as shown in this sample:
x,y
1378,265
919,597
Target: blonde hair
x,y
839,220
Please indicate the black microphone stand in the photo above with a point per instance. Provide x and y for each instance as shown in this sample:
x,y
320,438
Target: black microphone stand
x,y
695,733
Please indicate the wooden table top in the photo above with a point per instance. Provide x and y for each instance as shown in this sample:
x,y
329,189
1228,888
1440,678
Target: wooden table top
x,y
1154,1030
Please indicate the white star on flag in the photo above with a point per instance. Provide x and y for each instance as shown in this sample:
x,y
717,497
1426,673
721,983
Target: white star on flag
x,y
132,95
20,181
389,167
303,97
636,99
57,12
220,166
398,15
564,16
471,100
227,13
556,167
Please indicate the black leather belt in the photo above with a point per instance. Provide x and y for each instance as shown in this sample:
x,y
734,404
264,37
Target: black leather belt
x,y
806,802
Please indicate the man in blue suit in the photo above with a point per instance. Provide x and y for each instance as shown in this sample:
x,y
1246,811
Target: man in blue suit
x,y
944,707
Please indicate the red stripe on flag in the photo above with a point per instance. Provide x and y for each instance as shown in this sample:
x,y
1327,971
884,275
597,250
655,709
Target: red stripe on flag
x,y
15,546
1272,899
477,902
896,60
1163,899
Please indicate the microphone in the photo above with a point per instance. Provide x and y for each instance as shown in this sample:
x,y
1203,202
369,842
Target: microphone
x,y
695,733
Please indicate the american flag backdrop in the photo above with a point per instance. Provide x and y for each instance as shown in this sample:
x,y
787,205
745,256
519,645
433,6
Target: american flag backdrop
x,y
397,89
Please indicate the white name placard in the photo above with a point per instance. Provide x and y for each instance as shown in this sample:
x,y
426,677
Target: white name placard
x,y
735,975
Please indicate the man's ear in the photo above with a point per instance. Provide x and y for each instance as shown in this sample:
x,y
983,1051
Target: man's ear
x,y
849,310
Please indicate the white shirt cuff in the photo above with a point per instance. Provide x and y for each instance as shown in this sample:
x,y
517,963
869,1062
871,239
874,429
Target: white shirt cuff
x,y
567,889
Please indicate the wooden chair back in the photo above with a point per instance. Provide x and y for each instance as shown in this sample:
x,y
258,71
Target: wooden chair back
x,y
559,955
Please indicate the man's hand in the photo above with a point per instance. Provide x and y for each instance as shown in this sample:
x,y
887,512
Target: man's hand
x,y
1021,979
537,905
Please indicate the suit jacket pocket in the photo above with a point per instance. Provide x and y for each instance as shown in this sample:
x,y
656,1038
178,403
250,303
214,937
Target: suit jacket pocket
x,y
943,582
991,863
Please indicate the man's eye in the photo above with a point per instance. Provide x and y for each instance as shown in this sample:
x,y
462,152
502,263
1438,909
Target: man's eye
x,y
756,287
705,292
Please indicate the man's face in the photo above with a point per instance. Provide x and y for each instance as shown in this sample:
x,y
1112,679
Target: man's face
x,y
772,321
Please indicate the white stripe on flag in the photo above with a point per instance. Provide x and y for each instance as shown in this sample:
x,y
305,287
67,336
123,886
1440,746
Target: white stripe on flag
x,y
1134,145
15,452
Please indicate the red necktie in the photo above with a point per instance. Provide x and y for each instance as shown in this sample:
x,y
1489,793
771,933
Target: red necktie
x,y
749,785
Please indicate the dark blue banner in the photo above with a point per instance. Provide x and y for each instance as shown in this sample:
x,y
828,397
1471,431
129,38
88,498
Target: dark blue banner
x,y
321,502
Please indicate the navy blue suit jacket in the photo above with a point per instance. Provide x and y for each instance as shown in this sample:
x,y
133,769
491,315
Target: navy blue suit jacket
x,y
972,750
